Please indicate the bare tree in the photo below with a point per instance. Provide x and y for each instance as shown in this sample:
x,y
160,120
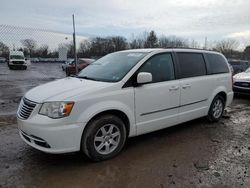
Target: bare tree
x,y
172,42
138,41
29,44
100,46
4,50
42,51
194,44
247,53
84,48
227,46
120,43
164,42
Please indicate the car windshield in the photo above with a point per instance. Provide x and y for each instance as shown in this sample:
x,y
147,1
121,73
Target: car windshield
x,y
248,70
16,57
112,67
69,61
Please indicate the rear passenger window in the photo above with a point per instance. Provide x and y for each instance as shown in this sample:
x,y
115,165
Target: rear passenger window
x,y
191,64
161,67
217,64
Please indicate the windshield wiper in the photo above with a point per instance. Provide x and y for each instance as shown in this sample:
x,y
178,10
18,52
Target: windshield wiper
x,y
86,78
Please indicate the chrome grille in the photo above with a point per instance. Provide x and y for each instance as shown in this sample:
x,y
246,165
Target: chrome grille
x,y
26,108
242,84
18,62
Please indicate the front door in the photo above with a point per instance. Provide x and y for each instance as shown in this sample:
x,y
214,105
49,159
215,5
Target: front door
x,y
157,103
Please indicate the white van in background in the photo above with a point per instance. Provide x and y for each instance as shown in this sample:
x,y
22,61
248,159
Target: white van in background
x,y
124,94
17,60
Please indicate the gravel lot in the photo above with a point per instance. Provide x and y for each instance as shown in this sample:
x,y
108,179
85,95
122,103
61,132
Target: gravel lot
x,y
193,154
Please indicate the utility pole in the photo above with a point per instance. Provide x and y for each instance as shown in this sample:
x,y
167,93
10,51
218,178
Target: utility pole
x,y
205,44
74,43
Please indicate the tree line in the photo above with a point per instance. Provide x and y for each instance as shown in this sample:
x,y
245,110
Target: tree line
x,y
100,46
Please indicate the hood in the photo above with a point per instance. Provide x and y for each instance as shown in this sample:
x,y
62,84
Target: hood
x,y
17,59
63,89
243,76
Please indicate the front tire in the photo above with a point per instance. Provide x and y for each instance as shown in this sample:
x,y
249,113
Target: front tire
x,y
216,109
103,138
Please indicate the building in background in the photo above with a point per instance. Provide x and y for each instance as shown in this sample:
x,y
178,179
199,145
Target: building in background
x,y
62,51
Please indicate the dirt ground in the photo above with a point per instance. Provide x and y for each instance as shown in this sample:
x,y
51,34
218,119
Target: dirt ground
x,y
193,154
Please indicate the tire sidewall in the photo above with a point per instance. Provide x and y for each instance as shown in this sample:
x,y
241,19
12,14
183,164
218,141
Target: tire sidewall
x,y
67,72
210,114
88,137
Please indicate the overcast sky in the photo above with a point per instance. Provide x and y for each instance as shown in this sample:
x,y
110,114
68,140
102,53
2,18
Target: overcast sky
x,y
194,19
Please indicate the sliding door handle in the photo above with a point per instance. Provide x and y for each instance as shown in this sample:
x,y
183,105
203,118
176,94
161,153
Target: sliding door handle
x,y
185,86
174,88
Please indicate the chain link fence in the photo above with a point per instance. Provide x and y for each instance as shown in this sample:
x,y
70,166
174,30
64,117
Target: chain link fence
x,y
42,43
37,44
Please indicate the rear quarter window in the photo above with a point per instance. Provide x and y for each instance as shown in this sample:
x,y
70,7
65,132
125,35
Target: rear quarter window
x,y
217,64
191,64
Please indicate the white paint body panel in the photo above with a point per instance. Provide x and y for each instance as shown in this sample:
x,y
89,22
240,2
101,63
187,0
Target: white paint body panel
x,y
149,107
156,106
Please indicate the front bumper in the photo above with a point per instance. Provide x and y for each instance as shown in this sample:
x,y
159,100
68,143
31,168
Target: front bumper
x,y
240,90
18,63
51,138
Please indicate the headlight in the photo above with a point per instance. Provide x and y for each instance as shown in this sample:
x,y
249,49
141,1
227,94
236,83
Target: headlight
x,y
56,109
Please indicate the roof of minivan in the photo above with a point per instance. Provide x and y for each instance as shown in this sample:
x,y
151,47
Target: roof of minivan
x,y
148,50
145,50
193,50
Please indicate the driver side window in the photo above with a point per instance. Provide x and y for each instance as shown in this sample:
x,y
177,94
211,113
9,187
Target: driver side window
x,y
161,67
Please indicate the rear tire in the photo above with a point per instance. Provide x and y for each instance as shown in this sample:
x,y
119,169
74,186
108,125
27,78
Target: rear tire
x,y
67,72
216,109
11,67
103,138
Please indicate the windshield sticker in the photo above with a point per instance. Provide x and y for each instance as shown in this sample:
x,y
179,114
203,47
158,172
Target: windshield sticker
x,y
135,54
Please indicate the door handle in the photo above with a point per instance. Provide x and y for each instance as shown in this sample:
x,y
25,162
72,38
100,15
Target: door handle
x,y
173,88
185,86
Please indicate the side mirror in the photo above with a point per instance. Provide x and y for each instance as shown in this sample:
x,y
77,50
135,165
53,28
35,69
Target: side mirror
x,y
144,77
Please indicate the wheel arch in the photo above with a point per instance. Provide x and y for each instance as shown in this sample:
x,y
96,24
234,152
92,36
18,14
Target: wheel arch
x,y
115,112
223,95
219,91
123,116
211,117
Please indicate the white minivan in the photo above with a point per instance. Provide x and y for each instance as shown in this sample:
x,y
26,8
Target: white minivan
x,y
124,94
